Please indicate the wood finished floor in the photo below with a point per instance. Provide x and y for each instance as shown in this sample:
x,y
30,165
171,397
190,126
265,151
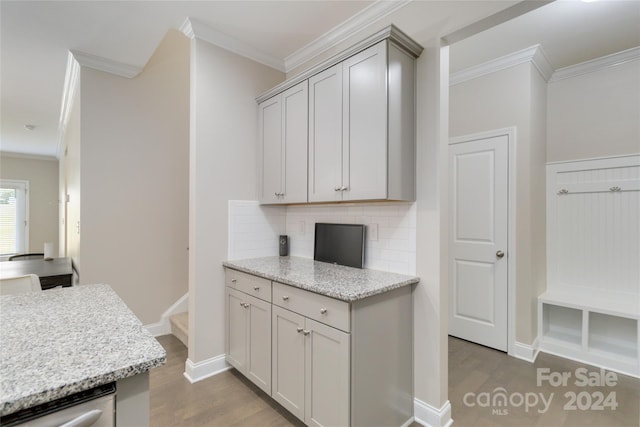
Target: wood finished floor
x,y
228,399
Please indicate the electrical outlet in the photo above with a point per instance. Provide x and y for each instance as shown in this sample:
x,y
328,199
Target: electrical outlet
x,y
301,225
372,232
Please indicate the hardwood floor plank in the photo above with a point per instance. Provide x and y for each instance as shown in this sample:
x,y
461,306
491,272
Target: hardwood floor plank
x,y
229,399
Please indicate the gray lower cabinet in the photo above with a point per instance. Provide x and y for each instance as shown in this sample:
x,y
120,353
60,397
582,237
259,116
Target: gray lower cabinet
x,y
310,369
248,337
330,362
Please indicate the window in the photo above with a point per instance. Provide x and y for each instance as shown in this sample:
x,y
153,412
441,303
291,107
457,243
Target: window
x,y
14,215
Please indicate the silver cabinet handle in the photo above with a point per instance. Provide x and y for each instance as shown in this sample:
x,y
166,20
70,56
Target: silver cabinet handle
x,y
323,311
256,288
337,189
85,420
299,330
244,304
276,194
499,254
285,298
344,189
234,280
306,333
616,188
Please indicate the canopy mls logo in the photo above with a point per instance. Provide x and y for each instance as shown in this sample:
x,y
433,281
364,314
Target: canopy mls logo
x,y
500,401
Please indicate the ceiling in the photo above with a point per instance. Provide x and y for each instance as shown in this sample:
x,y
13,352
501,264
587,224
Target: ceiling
x,y
570,32
37,35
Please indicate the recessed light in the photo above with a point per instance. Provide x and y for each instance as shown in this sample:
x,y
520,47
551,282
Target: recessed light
x,y
29,127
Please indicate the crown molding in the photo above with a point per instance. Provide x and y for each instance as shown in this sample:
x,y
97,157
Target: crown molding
x,y
71,80
27,156
597,64
391,33
107,65
197,30
534,54
367,16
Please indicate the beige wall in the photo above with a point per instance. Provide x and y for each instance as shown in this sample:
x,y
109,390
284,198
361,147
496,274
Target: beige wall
x,y
223,150
595,114
43,196
515,97
134,180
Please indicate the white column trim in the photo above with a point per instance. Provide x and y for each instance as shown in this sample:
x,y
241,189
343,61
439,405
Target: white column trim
x,y
526,352
430,416
199,371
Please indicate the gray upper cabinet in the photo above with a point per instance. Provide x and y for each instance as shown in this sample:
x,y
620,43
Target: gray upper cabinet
x,y
283,143
360,120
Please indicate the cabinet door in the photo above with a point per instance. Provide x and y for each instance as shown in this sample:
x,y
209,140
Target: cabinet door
x,y
327,375
325,135
295,108
258,365
236,337
288,360
270,134
364,153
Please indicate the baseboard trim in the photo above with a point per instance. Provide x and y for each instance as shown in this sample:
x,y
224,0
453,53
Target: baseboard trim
x,y
430,416
163,327
408,422
526,352
198,371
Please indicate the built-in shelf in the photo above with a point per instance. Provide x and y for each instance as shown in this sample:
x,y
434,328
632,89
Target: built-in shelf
x,y
562,324
591,309
616,336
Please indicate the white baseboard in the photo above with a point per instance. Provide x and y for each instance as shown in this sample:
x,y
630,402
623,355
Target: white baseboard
x,y
430,416
525,351
195,372
163,327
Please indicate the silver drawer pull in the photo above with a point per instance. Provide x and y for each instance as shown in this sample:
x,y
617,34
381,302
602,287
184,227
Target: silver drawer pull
x,y
234,280
285,298
616,188
306,333
256,288
244,304
299,330
84,420
337,189
323,311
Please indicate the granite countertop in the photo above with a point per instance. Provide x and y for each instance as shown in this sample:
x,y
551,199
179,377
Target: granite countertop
x,y
61,341
336,281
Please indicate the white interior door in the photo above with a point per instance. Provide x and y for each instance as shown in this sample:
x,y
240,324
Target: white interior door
x,y
478,300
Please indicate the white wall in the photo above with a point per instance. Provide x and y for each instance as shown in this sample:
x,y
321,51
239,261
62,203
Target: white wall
x,y
223,163
595,114
514,97
42,175
393,250
254,230
134,180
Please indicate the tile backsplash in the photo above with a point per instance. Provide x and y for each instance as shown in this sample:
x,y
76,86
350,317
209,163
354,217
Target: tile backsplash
x,y
391,230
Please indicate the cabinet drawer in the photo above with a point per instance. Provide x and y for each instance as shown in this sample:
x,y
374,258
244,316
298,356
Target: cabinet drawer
x,y
249,284
326,310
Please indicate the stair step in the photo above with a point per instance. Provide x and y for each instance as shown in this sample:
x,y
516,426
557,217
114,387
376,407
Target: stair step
x,y
180,327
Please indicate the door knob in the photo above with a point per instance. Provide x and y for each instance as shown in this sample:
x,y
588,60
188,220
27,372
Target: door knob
x,y
499,254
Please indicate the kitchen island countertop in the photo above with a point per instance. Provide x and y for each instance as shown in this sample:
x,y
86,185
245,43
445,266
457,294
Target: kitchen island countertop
x,y
59,342
344,283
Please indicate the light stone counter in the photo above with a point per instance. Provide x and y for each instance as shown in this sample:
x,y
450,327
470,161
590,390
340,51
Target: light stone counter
x,y
336,281
58,342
